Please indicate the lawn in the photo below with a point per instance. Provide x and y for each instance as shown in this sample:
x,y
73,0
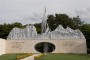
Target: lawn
x,y
50,57
9,56
65,57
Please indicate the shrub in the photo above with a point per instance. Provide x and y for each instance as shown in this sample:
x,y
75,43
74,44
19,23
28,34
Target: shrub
x,y
23,56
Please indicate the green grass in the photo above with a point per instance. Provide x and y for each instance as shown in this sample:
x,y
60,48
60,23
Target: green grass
x,y
50,57
65,57
9,56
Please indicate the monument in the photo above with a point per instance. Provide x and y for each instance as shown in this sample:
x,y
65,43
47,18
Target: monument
x,y
59,33
60,40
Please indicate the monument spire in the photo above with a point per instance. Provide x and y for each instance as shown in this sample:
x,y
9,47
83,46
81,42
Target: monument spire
x,y
44,21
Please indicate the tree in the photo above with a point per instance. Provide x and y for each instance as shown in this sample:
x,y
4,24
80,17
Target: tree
x,y
51,22
6,28
77,22
64,20
85,28
38,27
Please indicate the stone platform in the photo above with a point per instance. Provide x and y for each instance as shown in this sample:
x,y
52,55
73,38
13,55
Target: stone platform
x,y
28,46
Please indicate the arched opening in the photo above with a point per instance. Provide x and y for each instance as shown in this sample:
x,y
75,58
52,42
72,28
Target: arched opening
x,y
44,47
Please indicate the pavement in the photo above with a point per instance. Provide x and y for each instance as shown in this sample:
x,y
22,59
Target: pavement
x,y
30,57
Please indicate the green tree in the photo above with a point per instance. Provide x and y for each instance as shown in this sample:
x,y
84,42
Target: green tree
x,y
6,28
64,20
38,27
85,28
51,22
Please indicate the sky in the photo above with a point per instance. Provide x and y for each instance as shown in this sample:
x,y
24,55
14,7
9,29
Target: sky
x,y
31,11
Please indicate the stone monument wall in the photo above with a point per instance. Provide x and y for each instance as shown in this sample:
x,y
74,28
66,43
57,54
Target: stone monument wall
x,y
62,46
2,46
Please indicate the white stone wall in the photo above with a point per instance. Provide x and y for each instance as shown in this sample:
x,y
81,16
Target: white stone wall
x,y
2,46
62,46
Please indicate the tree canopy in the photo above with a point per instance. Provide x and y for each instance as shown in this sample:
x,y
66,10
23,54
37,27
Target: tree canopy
x,y
6,28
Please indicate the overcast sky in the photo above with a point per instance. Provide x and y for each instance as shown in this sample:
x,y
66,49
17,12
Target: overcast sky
x,y
31,11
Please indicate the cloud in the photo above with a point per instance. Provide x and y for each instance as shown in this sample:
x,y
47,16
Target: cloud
x,y
15,10
84,14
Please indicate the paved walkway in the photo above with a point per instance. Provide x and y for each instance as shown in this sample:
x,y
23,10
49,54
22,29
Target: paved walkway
x,y
30,57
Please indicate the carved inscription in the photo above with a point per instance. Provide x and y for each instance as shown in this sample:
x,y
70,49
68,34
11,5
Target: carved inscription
x,y
17,45
69,43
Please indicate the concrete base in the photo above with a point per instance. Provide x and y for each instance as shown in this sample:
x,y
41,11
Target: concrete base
x,y
77,46
62,46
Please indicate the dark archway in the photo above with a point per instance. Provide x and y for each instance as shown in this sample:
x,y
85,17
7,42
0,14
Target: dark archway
x,y
44,47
